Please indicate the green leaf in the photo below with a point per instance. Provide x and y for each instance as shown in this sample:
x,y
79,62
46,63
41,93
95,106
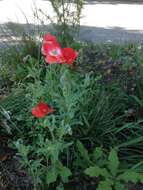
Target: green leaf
x,y
64,172
51,176
23,149
105,185
113,162
120,186
82,150
131,176
97,153
96,171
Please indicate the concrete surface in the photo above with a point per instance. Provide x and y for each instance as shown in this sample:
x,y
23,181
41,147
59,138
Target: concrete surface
x,y
102,20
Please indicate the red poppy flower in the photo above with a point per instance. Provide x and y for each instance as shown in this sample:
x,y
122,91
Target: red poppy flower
x,y
41,110
49,38
69,55
53,53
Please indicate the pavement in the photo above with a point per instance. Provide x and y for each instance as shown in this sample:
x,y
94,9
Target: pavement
x,y
102,20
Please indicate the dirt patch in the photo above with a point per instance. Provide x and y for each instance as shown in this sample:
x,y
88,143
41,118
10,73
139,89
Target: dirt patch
x,y
12,177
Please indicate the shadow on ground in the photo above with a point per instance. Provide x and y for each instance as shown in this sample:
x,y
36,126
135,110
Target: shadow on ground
x,y
12,31
115,35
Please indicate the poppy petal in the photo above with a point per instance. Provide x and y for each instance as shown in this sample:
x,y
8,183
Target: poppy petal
x,y
41,110
37,113
49,38
69,54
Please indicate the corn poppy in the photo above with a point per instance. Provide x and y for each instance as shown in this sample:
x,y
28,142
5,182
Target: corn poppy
x,y
49,38
41,110
53,52
69,55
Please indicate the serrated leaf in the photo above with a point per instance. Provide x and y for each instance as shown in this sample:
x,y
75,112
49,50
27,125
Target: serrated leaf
x,y
113,163
131,176
95,171
83,152
97,153
65,173
105,185
51,176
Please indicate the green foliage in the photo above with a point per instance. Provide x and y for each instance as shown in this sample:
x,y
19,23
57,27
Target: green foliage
x,y
15,114
115,63
14,65
97,113
78,100
83,152
111,175
113,162
138,97
50,138
102,115
131,176
85,158
95,171
4,118
67,22
41,160
16,52
107,185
